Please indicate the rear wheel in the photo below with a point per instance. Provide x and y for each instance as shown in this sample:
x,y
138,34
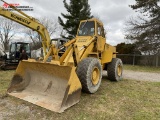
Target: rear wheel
x,y
89,72
115,69
3,66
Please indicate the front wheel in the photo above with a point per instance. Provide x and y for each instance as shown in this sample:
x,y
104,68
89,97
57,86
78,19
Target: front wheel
x,y
115,69
89,71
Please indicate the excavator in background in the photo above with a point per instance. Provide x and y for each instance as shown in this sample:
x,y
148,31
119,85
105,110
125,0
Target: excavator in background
x,y
15,51
57,84
59,42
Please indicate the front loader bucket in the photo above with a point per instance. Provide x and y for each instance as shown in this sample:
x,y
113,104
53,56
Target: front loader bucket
x,y
47,85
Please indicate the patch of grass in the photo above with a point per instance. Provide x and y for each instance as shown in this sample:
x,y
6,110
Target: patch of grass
x,y
142,68
19,116
124,100
5,78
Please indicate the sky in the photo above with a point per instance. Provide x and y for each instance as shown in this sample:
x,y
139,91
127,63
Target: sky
x,y
113,14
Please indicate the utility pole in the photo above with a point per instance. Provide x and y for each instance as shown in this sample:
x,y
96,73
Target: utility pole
x,y
134,59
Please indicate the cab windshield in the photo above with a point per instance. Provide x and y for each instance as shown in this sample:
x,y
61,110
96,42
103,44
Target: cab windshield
x,y
24,46
86,28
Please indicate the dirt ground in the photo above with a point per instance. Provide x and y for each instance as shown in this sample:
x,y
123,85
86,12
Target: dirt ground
x,y
143,76
9,108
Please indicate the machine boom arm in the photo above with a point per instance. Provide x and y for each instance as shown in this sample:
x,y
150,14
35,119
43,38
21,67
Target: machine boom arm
x,y
29,22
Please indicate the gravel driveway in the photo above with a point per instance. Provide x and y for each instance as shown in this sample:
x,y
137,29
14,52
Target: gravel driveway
x,y
143,76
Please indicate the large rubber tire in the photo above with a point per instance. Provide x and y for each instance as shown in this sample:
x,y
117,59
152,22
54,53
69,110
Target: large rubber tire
x,y
3,67
115,70
89,72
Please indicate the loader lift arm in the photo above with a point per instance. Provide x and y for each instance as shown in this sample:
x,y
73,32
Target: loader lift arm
x,y
29,22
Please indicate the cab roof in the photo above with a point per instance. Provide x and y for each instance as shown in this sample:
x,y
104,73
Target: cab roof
x,y
93,19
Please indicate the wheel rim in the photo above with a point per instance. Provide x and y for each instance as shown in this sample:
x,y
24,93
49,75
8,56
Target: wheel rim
x,y
119,70
95,76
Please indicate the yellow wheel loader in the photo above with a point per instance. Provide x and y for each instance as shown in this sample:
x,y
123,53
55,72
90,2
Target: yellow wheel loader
x,y
57,85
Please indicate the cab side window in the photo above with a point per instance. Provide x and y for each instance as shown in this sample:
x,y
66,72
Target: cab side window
x,y
13,47
103,34
99,29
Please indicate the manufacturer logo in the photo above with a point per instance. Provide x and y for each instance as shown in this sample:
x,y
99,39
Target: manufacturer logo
x,y
82,40
20,19
18,6
5,5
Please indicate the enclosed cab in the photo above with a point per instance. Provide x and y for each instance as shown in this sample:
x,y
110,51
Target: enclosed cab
x,y
16,49
14,55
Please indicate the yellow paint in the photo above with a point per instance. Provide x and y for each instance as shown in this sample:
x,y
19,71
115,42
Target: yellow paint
x,y
107,55
95,75
74,82
55,62
119,70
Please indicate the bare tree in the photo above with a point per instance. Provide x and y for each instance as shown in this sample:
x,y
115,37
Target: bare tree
x,y
51,27
7,32
145,30
63,32
145,37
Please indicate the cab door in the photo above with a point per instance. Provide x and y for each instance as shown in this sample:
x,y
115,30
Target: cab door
x,y
101,38
12,52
